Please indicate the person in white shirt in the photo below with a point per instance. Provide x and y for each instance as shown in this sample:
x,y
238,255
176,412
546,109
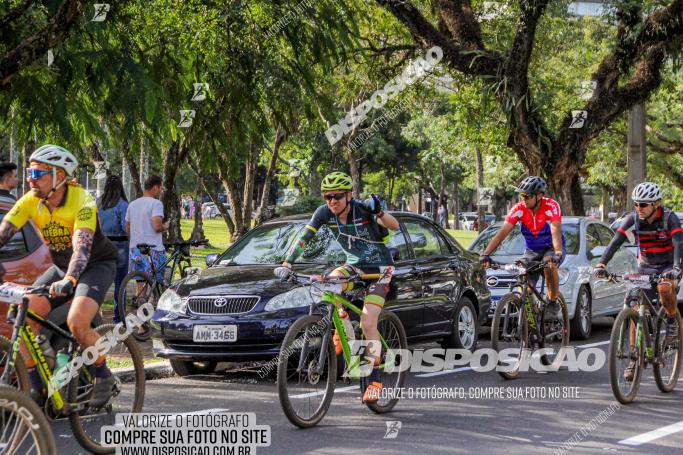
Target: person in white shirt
x,y
144,224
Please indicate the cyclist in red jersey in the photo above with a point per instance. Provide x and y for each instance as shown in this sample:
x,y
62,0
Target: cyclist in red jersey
x,y
540,220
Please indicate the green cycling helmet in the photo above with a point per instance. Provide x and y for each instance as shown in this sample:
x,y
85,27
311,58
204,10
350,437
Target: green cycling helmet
x,y
336,181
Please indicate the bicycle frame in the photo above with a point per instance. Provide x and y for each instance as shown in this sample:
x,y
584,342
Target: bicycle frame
x,y
646,311
526,302
22,331
175,257
334,300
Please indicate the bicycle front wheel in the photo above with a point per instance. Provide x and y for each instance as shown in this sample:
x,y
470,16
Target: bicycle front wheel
x,y
19,375
667,363
510,333
391,330
136,289
305,394
555,334
124,360
625,361
24,429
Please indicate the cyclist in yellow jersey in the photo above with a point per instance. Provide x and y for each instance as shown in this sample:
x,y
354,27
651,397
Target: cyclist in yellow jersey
x,y
85,260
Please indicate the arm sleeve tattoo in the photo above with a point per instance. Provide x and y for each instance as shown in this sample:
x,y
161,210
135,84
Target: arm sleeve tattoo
x,y
82,241
7,231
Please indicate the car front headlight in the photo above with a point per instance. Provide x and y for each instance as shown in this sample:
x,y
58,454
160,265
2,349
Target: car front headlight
x,y
295,298
171,301
563,273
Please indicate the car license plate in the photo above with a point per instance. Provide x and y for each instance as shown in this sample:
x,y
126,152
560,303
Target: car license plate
x,y
214,333
496,298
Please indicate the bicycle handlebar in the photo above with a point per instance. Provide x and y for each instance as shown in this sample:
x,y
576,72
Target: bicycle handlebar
x,y
307,279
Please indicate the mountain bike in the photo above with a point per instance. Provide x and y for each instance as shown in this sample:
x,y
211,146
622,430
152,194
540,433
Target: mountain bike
x,y
522,321
141,287
24,430
650,345
71,398
307,363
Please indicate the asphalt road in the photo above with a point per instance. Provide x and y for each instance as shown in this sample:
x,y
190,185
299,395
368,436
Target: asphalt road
x,y
517,422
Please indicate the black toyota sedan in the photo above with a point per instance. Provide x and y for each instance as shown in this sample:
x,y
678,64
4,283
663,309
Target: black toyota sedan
x,y
237,310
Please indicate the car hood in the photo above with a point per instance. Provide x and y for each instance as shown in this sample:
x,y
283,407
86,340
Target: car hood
x,y
240,279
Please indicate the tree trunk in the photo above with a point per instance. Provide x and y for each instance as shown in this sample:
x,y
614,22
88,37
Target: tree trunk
x,y
442,194
565,186
234,198
172,160
354,166
132,168
249,177
198,230
456,204
480,184
261,214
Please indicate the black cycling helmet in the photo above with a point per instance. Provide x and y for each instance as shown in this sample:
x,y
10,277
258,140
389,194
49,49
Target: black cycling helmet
x,y
532,185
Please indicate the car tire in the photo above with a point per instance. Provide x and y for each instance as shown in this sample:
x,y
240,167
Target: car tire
x,y
187,368
581,323
465,327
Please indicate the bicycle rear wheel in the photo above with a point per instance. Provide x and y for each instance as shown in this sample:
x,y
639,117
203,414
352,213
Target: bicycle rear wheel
x,y
391,329
136,289
128,393
24,429
305,395
667,363
19,377
555,333
621,355
510,332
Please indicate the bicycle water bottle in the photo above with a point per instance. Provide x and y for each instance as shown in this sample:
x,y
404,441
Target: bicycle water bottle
x,y
47,350
62,360
348,327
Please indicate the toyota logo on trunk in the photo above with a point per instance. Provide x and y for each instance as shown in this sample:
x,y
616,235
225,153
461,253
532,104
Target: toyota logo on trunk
x,y
492,281
220,302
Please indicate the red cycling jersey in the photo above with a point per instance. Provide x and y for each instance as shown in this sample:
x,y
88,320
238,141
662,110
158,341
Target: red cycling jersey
x,y
536,228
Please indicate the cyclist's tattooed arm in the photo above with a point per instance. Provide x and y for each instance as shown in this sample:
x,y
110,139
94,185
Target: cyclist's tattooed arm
x,y
7,231
82,241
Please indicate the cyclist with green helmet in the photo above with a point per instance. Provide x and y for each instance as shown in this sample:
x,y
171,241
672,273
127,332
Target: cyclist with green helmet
x,y
361,229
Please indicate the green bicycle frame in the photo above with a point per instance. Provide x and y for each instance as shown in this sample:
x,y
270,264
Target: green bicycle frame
x,y
35,352
353,361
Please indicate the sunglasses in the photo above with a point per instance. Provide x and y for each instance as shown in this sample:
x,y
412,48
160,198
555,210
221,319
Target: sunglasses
x,y
35,174
642,205
526,195
336,197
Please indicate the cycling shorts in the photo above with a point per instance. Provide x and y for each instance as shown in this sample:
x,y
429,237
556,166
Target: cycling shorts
x,y
94,282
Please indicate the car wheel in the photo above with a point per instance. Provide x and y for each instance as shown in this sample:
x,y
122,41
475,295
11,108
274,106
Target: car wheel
x,y
582,321
187,368
465,327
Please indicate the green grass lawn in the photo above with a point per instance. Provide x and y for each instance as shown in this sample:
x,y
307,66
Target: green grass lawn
x,y
464,238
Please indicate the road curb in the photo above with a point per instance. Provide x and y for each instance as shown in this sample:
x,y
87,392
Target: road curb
x,y
156,370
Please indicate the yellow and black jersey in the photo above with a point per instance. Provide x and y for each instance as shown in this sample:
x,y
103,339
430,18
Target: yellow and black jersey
x,y
77,210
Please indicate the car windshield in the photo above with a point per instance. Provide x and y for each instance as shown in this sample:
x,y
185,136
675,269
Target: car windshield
x,y
513,245
270,244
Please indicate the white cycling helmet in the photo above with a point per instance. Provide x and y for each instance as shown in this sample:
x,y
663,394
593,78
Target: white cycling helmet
x,y
646,192
54,155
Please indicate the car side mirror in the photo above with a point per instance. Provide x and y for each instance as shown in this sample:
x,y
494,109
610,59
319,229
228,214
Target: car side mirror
x,y
211,258
395,254
596,252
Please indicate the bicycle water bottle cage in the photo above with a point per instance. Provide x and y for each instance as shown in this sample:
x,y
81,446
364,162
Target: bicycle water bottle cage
x,y
185,250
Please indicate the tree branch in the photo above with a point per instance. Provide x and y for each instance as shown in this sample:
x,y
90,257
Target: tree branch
x,y
458,17
37,45
462,58
13,14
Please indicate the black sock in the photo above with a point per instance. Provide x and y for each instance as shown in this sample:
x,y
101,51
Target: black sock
x,y
34,379
101,370
374,376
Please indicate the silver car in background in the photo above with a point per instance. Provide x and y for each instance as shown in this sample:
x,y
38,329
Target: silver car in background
x,y
586,239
